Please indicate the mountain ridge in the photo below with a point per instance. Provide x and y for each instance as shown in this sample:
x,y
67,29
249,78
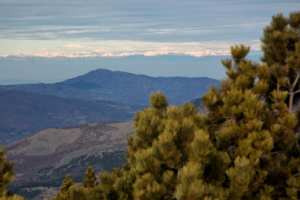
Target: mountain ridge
x,y
122,87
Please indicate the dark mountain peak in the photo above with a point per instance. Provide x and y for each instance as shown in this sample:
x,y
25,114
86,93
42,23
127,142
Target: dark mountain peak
x,y
112,72
105,75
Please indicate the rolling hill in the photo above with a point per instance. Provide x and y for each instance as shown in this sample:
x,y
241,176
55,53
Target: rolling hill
x,y
44,159
24,113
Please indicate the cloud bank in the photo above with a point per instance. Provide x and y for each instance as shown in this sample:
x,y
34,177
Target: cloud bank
x,y
125,48
145,27
99,54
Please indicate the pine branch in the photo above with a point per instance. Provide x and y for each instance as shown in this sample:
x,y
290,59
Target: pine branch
x,y
296,92
289,82
291,100
291,88
275,152
178,178
277,159
296,80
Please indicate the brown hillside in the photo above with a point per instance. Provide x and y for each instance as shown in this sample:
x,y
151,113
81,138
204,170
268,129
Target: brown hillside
x,y
47,156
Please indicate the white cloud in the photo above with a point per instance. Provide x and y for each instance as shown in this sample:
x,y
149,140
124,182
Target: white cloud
x,y
156,53
208,53
127,48
74,46
110,54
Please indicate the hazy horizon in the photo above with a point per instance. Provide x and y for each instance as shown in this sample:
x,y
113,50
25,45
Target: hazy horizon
x,y
50,41
40,70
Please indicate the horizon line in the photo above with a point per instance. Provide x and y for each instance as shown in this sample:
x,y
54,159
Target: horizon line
x,y
196,54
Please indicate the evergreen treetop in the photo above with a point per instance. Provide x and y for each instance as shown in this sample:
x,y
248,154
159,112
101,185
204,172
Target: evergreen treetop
x,y
281,48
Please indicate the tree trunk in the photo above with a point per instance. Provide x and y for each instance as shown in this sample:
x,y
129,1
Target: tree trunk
x,y
178,177
277,159
291,101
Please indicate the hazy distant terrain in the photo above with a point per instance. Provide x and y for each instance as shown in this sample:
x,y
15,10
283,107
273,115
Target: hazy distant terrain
x,y
25,113
122,87
98,96
57,70
44,159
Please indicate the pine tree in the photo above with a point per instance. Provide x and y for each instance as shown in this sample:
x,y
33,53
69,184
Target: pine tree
x,y
6,177
6,173
281,47
89,180
252,121
64,193
232,153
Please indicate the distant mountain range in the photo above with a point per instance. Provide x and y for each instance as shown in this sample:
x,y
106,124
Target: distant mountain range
x,y
44,159
122,87
23,113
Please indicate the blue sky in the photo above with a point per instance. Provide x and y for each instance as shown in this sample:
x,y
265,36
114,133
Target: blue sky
x,y
35,33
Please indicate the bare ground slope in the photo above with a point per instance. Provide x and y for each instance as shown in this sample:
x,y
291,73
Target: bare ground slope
x,y
46,157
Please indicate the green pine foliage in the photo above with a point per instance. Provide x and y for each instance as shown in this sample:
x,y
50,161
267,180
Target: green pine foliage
x,y
64,193
6,173
281,47
89,180
6,177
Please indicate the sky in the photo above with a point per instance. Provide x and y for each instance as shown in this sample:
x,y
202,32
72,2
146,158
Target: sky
x,y
48,41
